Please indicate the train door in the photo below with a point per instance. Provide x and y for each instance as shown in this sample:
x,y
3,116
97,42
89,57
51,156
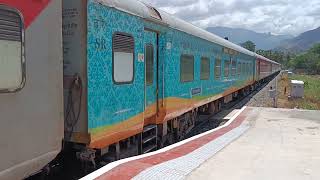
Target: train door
x,y
254,70
258,69
151,76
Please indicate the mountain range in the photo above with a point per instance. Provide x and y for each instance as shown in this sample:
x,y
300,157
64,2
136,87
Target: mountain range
x,y
268,41
302,42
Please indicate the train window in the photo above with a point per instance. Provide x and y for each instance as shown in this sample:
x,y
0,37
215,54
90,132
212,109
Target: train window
x,y
12,60
123,58
234,67
243,69
247,69
239,68
186,68
205,68
217,69
226,68
149,64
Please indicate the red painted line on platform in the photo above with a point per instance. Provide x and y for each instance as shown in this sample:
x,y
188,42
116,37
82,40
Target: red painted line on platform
x,y
131,169
30,9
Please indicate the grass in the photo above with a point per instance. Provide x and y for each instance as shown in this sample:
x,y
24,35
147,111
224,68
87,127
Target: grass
x,y
311,98
311,86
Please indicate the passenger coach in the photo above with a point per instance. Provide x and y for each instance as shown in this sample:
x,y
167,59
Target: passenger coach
x,y
146,74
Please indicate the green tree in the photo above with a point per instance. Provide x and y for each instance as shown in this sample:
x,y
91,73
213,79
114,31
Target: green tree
x,y
315,49
308,61
251,46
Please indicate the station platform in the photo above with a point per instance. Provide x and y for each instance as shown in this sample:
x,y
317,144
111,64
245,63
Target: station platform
x,y
256,143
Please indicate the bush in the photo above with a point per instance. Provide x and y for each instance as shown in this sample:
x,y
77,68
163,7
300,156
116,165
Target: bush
x,y
310,61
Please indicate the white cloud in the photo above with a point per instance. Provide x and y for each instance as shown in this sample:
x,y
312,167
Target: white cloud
x,y
275,16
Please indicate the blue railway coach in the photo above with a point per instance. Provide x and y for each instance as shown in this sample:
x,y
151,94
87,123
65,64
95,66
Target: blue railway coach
x,y
144,74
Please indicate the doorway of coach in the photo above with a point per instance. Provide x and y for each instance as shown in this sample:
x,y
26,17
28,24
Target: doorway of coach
x,y
151,88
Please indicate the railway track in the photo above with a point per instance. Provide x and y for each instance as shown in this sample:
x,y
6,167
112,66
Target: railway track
x,y
208,122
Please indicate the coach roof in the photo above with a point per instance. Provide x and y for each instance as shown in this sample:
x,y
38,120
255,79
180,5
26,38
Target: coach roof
x,y
264,58
140,9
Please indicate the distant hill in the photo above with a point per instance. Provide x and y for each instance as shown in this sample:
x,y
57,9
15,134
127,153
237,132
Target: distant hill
x,y
302,42
265,41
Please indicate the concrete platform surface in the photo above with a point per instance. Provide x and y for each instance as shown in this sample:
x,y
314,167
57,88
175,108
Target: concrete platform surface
x,y
280,144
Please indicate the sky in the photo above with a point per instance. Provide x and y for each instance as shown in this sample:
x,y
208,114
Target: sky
x,y
288,17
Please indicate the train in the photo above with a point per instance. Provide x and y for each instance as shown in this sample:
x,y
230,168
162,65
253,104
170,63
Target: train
x,y
108,79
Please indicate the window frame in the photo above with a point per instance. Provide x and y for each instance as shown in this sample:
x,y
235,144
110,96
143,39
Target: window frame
x,y
23,55
246,68
243,69
149,45
224,69
217,67
193,58
239,68
133,59
233,68
201,72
